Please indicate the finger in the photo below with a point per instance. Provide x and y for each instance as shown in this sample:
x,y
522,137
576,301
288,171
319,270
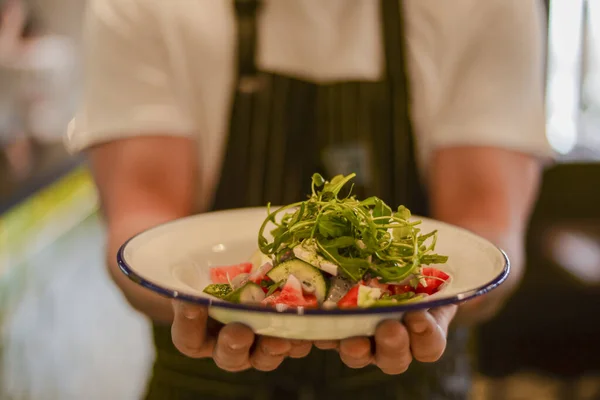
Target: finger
x,y
188,330
270,353
300,348
327,344
392,347
427,340
356,352
427,334
233,348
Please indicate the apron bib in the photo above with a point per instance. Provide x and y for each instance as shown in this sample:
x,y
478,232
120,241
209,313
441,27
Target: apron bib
x,y
282,130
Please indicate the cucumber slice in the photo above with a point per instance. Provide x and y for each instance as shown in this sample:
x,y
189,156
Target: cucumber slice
x,y
219,290
367,296
250,293
306,274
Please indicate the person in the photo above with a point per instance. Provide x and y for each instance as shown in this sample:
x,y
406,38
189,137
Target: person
x,y
15,144
191,106
36,73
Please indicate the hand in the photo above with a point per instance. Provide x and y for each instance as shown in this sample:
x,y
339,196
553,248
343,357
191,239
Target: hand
x,y
233,347
13,17
421,336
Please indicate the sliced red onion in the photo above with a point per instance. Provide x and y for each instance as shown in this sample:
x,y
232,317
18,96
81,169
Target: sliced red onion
x,y
261,271
239,281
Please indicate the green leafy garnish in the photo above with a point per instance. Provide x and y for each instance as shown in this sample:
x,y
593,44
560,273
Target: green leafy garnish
x,y
399,297
359,237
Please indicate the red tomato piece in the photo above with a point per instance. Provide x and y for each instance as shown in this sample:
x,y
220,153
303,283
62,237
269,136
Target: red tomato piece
x,y
272,298
226,273
310,301
291,295
400,289
434,279
350,300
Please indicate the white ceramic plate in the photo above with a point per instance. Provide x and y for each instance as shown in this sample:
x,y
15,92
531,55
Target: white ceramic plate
x,y
174,260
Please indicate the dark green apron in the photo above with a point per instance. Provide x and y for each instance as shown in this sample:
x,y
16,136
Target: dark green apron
x,y
282,131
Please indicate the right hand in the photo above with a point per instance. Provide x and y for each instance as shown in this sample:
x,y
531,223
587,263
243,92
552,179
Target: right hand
x,y
233,347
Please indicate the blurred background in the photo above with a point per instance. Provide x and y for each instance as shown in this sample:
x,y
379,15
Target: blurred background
x,y
60,313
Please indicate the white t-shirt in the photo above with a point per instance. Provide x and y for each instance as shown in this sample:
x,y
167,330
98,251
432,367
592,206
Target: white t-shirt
x,y
155,67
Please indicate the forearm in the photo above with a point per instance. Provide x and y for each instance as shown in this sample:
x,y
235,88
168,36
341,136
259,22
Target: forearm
x,y
490,192
156,307
143,182
510,241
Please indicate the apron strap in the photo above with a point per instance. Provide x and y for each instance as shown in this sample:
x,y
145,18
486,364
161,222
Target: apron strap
x,y
233,183
407,188
246,12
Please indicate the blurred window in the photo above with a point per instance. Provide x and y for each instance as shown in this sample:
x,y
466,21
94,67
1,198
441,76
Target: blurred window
x,y
573,80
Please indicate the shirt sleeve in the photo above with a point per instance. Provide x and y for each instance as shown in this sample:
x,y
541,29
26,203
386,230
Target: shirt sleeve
x,y
479,74
126,82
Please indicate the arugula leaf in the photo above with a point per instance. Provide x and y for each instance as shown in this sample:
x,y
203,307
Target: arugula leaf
x,y
336,184
429,259
332,226
381,210
399,297
318,180
403,213
342,241
274,287
423,238
369,202
392,273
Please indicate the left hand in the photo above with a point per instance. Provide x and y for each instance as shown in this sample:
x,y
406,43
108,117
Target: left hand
x,y
420,336
232,347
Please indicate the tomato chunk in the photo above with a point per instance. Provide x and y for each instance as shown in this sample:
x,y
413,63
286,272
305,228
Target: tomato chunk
x,y
400,289
310,301
350,300
291,295
434,279
226,273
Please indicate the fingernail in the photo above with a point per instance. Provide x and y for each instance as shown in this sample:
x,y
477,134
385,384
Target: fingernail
x,y
190,312
236,346
276,350
390,341
274,353
419,327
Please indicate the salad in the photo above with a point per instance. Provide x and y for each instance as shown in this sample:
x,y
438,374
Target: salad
x,y
335,251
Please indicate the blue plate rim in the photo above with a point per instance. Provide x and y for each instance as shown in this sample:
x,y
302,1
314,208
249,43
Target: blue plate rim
x,y
174,294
